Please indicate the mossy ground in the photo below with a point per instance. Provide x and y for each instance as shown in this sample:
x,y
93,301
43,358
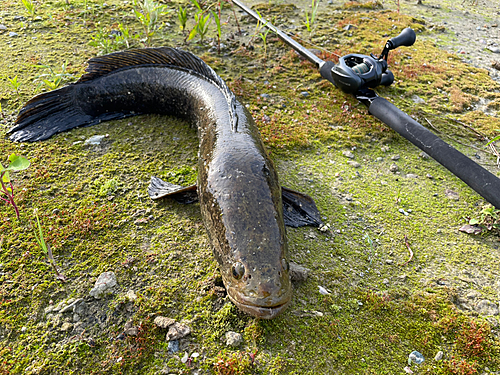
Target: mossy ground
x,y
97,217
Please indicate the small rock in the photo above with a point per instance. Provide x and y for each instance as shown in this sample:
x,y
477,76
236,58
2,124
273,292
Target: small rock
x,y
354,164
177,331
384,148
389,261
66,326
305,94
411,175
131,296
416,357
496,65
349,27
130,329
173,346
394,168
429,176
265,96
163,322
3,27
423,155
105,281
450,194
185,357
348,154
395,157
438,356
417,99
13,34
298,273
95,139
486,307
233,338
71,306
492,49
323,291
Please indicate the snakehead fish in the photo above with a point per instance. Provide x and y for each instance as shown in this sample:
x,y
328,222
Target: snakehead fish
x,y
240,197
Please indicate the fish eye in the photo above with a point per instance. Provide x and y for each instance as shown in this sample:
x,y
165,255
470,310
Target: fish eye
x,y
285,264
238,270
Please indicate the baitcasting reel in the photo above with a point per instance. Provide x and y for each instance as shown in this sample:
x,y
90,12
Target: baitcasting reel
x,y
355,71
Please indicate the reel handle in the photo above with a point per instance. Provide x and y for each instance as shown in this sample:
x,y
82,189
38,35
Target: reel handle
x,y
406,38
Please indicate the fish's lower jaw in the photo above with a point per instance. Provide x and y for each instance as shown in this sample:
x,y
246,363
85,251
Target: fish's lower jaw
x,y
263,312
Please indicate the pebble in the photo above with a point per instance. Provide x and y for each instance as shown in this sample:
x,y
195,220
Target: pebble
x,y
429,176
486,307
95,139
395,157
438,356
105,281
177,331
265,96
298,273
494,49
416,357
130,329
131,296
411,175
163,322
66,326
348,154
71,306
417,99
394,168
304,94
173,346
233,339
323,291
3,27
423,155
354,164
450,194
13,34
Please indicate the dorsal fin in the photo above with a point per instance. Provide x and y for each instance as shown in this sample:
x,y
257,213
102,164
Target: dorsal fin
x,y
171,57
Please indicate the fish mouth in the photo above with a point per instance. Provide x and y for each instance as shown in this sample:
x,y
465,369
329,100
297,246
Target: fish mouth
x,y
258,310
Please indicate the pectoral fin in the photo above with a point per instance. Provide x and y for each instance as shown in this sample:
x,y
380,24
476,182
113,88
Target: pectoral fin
x,y
158,189
299,209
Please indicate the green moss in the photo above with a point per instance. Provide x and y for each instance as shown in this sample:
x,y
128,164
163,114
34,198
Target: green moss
x,y
97,216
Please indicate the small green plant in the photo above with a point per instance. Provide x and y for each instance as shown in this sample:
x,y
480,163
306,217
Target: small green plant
x,y
182,15
14,83
201,27
219,31
263,36
148,14
314,9
51,78
108,187
29,6
16,163
46,247
489,219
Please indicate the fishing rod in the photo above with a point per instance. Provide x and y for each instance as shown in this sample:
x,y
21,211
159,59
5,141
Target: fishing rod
x,y
359,74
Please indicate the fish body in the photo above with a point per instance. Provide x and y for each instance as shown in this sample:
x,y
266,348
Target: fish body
x,y
240,197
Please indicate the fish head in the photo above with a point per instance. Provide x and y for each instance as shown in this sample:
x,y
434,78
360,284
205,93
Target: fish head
x,y
245,223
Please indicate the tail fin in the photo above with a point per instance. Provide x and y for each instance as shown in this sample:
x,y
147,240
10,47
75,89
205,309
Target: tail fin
x,y
60,110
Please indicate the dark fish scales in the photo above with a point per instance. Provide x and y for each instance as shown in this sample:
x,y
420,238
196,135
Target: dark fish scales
x,y
240,197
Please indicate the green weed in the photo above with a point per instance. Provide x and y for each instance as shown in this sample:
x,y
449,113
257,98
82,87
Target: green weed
x,y
16,163
182,15
310,21
219,30
51,78
46,247
30,7
148,14
14,83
